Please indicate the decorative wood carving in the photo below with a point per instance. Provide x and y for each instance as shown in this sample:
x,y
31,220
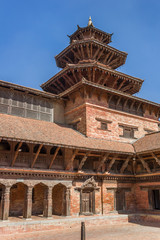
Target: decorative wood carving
x,y
54,157
83,161
16,154
36,156
103,160
70,163
111,163
145,165
125,164
155,157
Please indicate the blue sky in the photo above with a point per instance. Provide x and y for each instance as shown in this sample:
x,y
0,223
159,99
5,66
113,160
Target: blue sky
x,y
32,32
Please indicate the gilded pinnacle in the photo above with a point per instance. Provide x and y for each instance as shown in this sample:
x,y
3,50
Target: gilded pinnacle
x,y
90,22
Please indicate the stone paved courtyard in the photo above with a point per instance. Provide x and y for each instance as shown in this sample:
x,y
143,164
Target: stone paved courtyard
x,y
112,232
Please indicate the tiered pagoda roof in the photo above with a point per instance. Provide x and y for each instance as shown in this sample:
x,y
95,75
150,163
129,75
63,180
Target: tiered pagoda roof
x,y
90,57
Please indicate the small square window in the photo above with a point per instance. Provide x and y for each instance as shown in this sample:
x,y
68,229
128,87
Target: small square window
x,y
128,132
104,126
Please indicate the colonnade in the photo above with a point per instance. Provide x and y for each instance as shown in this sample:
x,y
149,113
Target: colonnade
x,y
48,187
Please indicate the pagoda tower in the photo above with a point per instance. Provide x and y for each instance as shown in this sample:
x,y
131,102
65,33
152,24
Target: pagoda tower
x,y
90,57
99,101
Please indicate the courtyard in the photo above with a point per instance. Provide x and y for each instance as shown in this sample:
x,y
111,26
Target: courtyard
x,y
110,232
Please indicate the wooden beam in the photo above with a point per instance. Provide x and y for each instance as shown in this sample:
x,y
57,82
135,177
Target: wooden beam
x,y
105,80
89,74
75,54
119,88
16,154
125,103
155,157
78,50
69,60
113,61
91,154
110,98
65,76
54,157
36,156
82,52
57,86
74,75
104,158
139,106
107,55
118,101
91,50
68,167
145,165
83,161
127,87
96,52
58,81
133,102
110,58
111,163
64,60
115,82
100,54
88,50
125,164
101,76
94,72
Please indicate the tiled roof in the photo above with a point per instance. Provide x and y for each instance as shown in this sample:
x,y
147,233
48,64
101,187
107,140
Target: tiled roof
x,y
149,142
29,130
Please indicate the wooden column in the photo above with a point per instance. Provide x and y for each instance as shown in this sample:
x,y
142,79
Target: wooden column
x,y
28,203
67,198
48,202
5,203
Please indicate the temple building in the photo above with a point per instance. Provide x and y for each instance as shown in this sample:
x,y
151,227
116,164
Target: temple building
x,y
85,144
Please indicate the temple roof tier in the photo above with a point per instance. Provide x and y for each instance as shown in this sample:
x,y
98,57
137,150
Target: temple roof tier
x,y
91,49
90,32
93,72
110,92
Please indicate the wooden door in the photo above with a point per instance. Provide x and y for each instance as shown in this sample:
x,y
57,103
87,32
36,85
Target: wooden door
x,y
120,200
87,202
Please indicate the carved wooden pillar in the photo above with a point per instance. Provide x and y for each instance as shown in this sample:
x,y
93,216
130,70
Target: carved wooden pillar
x,y
48,202
28,203
67,195
5,203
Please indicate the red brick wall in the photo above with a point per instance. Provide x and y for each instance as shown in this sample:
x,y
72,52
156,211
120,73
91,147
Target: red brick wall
x,y
88,109
93,112
141,195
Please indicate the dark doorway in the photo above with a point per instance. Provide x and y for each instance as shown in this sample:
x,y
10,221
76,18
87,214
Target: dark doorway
x,y
156,199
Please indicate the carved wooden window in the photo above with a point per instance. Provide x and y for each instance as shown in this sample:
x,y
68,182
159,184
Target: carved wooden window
x,y
128,131
103,124
25,105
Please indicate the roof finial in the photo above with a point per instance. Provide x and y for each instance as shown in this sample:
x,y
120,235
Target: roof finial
x,y
90,22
